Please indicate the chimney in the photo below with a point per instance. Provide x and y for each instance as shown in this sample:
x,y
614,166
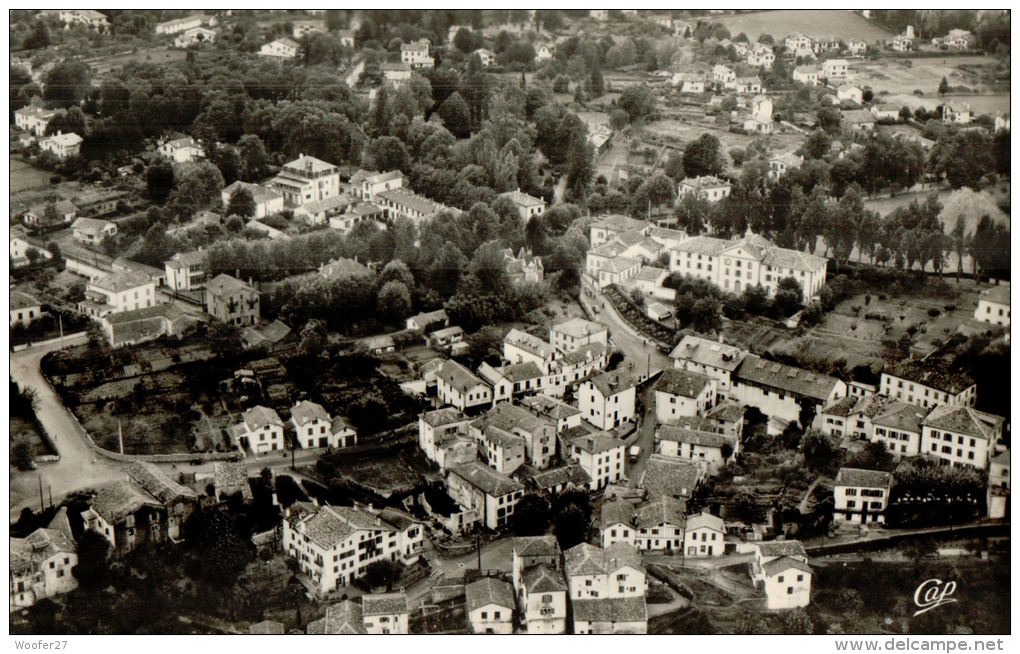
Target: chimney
x,y
722,339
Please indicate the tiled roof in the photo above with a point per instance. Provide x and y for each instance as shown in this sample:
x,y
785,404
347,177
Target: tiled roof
x,y
517,372
619,223
549,407
64,140
933,373
579,328
156,483
650,274
339,424
610,609
788,378
267,627
258,417
568,474
332,203
231,476
685,383
858,116
489,590
584,559
305,412
793,259
621,264
523,199
21,300
707,352
840,407
224,285
509,417
529,343
119,499
661,511
543,579
630,237
727,412
258,192
458,376
486,479
902,416
536,546
441,417
168,310
609,250
343,268
197,258
446,332
666,476
384,604
611,383
602,441
704,182
581,355
502,438
703,245
693,437
781,548
424,319
858,477
784,563
789,159
872,405
406,198
617,512
705,520
998,294
121,281
305,164
965,420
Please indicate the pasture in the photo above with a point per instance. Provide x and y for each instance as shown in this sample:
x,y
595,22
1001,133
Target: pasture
x,y
816,23
24,177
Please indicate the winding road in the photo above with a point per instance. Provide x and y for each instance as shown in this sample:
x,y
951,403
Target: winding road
x,y
78,466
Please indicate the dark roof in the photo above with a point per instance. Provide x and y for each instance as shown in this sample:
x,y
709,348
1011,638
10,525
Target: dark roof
x,y
488,480
933,373
568,474
617,512
225,285
784,563
542,578
667,476
442,417
788,378
384,604
21,300
965,420
536,546
685,383
694,437
782,548
858,477
902,416
343,618
489,590
156,483
616,609
840,406
266,627
659,511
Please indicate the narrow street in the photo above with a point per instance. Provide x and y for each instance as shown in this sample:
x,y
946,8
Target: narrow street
x,y
78,467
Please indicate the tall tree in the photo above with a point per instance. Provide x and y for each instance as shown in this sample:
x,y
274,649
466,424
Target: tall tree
x,y
703,156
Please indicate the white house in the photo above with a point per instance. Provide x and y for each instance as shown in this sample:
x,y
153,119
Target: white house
x,y
528,206
195,36
850,93
117,292
490,606
41,564
597,573
385,613
607,228
33,119
667,476
897,425
312,424
333,545
186,271
24,308
607,400
708,448
577,333
797,41
833,419
780,391
461,388
599,454
761,56
780,164
180,24
367,184
395,72
181,150
806,75
707,187
487,57
435,427
267,200
519,347
62,145
306,179
475,486
886,112
416,54
723,75
506,421
92,231
714,359
928,384
543,597
689,82
901,43
681,392
280,49
835,69
659,525
857,47
860,496
782,570
960,435
993,306
261,430
529,551
704,535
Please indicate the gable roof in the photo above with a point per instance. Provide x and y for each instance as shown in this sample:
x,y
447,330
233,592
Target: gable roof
x,y
667,476
384,604
489,590
305,412
225,285
680,434
707,352
442,417
617,512
685,383
781,548
933,373
900,415
965,420
119,499
21,300
157,484
542,578
660,511
486,479
258,417
783,564
602,441
998,294
841,406
611,383
522,199
458,376
566,474
610,609
705,520
529,343
536,546
859,477
788,378
619,223
510,417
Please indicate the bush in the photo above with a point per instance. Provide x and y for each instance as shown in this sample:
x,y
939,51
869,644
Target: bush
x,y
934,313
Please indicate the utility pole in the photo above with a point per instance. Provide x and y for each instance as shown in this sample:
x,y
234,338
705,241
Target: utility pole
x,y
120,436
42,507
478,549
60,322
49,489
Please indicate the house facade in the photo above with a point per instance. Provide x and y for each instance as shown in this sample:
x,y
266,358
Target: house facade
x,y
231,300
607,400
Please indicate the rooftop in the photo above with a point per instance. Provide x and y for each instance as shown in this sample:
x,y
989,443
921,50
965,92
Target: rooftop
x,y
788,378
486,479
384,604
121,281
933,373
661,511
675,381
457,376
680,434
343,268
704,182
94,225
543,579
536,546
998,294
225,286
529,343
668,476
602,441
157,483
618,223
611,383
708,353
442,417
781,548
783,564
305,412
705,520
858,477
902,416
258,417
21,300
840,407
522,199
965,420
489,590
610,609
509,417
561,476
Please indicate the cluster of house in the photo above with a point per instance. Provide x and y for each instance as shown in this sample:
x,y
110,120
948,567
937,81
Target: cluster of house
x,y
190,30
34,120
262,430
623,248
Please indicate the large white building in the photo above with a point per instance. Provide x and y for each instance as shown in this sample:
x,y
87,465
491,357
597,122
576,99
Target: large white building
x,y
780,391
749,261
475,486
928,384
260,429
860,496
41,563
680,393
960,435
607,400
116,292
490,606
993,306
333,545
306,179
714,359
461,388
416,54
599,454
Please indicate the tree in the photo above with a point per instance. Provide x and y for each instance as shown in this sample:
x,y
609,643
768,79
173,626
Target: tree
x,y
571,523
817,144
788,298
638,101
241,203
703,156
598,85
943,86
705,315
21,456
388,153
456,115
93,568
819,453
797,622
382,573
198,187
254,159
830,120
464,40
224,339
580,165
159,180
394,302
531,516
67,83
674,167
1001,146
39,37
70,121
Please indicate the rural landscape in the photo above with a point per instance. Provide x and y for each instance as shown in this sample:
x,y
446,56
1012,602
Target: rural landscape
x,y
515,321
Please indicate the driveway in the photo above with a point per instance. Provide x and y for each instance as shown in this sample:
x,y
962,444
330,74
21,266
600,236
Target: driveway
x,y
78,467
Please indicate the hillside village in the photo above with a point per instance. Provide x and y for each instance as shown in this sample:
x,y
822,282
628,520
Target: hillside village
x,y
506,321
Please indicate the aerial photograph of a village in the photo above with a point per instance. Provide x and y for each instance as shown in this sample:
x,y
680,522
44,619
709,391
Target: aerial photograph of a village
x,y
510,321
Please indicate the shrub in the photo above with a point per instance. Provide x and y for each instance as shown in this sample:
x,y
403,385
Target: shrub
x,y
933,312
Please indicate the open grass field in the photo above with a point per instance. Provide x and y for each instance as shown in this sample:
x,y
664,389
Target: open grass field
x,y
901,77
681,132
25,178
817,23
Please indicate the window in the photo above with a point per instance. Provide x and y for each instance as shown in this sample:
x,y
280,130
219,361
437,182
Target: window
x,y
780,578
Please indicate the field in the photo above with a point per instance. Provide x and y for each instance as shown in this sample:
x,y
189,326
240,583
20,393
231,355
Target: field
x,y
680,132
24,177
818,24
901,77
160,55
